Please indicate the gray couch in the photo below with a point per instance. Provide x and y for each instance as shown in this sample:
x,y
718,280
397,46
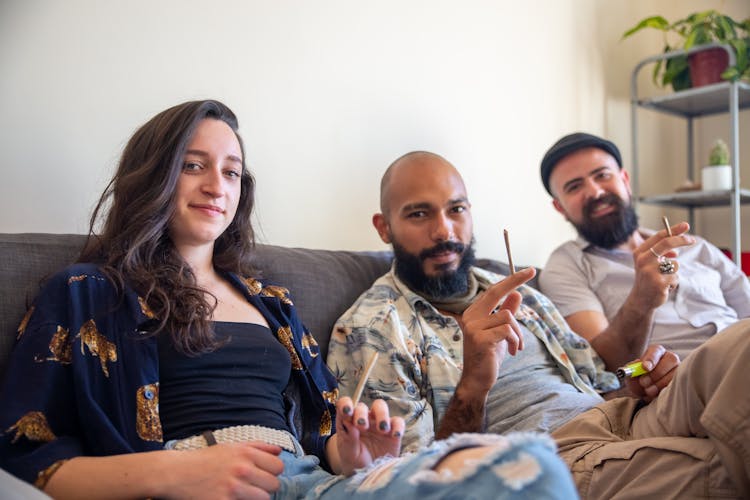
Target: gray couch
x,y
323,283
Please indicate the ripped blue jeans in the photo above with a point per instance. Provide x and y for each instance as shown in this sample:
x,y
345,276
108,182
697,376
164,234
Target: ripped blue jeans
x,y
521,465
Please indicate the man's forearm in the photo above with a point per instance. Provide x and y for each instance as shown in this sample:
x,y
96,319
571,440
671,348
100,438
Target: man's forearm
x,y
626,337
466,412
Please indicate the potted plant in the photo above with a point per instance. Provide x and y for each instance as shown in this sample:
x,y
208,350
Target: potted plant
x,y
698,29
717,175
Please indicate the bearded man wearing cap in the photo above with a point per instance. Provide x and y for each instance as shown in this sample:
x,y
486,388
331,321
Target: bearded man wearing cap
x,y
622,286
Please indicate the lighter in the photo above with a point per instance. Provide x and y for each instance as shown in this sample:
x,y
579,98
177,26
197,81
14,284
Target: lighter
x,y
634,369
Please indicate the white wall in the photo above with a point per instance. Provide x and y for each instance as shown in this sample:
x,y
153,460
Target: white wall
x,y
328,93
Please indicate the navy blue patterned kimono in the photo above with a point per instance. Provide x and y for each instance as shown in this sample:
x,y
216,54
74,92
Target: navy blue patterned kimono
x,y
83,378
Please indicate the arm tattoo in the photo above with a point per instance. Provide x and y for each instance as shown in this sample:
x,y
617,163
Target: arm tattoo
x,y
462,416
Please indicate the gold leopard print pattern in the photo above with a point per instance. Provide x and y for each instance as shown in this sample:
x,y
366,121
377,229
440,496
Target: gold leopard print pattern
x,y
253,286
331,396
279,292
24,322
325,424
284,334
43,477
147,420
98,345
308,342
145,309
61,349
34,427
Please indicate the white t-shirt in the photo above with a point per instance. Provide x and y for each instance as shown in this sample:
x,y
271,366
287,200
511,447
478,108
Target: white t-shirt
x,y
713,292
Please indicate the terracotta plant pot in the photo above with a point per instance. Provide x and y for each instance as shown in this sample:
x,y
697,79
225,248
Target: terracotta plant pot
x,y
707,66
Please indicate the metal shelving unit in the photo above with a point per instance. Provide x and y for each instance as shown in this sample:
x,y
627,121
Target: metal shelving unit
x,y
719,98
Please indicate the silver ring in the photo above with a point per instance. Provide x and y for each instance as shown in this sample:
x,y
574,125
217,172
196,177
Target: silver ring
x,y
667,266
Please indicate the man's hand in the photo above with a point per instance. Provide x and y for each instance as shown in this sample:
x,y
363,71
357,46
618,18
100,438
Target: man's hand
x,y
662,365
363,434
491,331
651,288
627,334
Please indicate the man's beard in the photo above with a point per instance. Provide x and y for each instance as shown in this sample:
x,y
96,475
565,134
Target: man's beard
x,y
611,230
446,284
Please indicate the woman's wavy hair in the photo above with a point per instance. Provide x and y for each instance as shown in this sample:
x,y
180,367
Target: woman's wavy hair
x,y
133,245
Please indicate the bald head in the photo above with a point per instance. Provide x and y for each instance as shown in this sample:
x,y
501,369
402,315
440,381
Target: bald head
x,y
415,163
426,217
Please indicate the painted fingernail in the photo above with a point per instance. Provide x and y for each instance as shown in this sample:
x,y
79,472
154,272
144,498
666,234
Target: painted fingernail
x,y
397,434
360,421
347,410
383,425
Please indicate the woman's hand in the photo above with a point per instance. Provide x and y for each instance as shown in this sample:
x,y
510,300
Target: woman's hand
x,y
232,470
364,434
225,471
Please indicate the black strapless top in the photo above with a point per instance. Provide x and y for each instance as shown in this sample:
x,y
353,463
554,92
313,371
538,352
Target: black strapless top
x,y
240,383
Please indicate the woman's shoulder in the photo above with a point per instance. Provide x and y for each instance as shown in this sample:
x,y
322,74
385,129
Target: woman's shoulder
x,y
85,290
79,273
80,280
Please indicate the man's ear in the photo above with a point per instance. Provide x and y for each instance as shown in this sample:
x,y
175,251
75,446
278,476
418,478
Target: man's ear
x,y
626,179
381,226
557,206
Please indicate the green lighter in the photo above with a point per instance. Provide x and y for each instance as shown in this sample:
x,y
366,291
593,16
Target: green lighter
x,y
634,369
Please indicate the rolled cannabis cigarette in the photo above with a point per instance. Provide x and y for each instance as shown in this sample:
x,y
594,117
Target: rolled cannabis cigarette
x,y
363,379
631,370
507,249
666,224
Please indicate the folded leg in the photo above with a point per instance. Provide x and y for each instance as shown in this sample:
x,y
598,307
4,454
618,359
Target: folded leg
x,y
709,398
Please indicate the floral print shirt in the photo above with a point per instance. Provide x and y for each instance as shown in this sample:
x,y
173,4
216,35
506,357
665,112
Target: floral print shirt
x,y
421,351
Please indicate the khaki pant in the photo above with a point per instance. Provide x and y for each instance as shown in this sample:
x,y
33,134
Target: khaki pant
x,y
693,441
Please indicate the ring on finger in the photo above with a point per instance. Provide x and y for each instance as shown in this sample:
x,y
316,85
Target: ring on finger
x,y
667,266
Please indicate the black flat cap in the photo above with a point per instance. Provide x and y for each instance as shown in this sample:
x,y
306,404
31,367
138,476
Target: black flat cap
x,y
570,144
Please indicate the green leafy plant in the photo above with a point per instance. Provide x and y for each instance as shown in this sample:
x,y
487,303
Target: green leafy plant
x,y
697,29
719,153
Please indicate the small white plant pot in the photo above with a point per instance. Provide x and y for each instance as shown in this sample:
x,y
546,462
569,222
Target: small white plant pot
x,y
716,177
